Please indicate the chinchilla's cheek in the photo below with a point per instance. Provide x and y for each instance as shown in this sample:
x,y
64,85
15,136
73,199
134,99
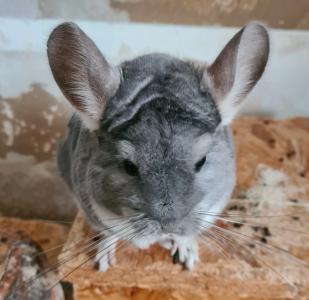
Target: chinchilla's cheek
x,y
128,211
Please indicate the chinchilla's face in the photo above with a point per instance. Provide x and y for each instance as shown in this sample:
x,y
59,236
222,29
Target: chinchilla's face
x,y
160,146
157,144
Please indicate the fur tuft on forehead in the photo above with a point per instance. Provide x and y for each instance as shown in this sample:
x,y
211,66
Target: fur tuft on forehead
x,y
171,83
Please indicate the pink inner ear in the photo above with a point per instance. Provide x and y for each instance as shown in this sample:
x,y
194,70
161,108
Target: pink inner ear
x,y
81,72
221,74
237,69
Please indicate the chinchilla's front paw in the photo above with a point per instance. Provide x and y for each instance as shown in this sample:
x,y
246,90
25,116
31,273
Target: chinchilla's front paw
x,y
185,248
105,256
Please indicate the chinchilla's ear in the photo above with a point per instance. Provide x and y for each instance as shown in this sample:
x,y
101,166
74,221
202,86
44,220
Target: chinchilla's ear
x,y
81,71
237,69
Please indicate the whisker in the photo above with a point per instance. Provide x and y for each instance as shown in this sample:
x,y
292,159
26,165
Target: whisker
x,y
138,235
258,224
110,228
241,215
87,248
84,262
212,239
285,279
258,260
251,260
92,236
271,248
53,267
121,232
121,225
89,238
216,242
231,244
71,222
129,218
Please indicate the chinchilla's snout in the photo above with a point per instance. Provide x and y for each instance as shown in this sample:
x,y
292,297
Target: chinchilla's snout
x,y
170,227
169,217
163,213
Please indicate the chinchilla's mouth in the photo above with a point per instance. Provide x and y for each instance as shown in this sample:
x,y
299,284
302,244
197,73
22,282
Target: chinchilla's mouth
x,y
173,229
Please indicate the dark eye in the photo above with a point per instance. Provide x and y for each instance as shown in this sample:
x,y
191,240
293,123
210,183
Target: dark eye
x,y
200,164
130,168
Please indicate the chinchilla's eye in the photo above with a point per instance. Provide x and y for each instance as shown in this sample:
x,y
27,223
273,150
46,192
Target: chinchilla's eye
x,y
199,164
130,168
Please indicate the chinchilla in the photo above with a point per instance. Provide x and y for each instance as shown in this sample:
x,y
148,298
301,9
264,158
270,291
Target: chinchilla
x,y
149,154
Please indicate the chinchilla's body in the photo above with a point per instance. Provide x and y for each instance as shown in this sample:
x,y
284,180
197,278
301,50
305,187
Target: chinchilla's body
x,y
168,121
149,155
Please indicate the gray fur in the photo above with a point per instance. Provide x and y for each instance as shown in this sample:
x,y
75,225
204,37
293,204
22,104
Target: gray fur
x,y
163,119
166,189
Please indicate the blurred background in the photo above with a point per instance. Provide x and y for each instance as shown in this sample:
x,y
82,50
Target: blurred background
x,y
33,113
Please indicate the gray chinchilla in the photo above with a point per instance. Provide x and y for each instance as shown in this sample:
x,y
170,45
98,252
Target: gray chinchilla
x,y
149,154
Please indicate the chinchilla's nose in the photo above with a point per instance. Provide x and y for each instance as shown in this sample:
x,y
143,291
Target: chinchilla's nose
x,y
164,214
168,217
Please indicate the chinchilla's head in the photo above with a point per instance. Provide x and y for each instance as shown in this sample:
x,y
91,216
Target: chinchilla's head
x,y
160,142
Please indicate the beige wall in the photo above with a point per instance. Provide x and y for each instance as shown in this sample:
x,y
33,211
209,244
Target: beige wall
x,y
288,14
275,13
